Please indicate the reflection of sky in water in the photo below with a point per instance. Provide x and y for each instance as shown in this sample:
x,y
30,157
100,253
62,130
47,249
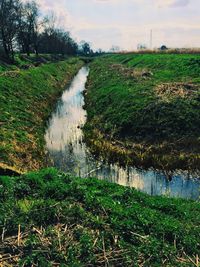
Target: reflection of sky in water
x,y
68,153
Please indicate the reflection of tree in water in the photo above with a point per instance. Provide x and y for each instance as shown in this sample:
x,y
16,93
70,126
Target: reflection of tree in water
x,y
70,148
64,159
168,175
70,161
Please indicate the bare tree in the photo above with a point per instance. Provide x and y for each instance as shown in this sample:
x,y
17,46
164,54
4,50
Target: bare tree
x,y
85,48
9,12
28,34
55,40
115,49
22,27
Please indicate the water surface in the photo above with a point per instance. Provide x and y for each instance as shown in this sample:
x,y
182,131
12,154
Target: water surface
x,y
68,152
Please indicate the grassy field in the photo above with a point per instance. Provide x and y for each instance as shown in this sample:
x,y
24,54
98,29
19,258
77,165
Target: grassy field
x,y
145,108
28,92
49,218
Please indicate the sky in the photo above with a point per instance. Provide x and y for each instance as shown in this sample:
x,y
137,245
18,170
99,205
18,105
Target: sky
x,y
127,23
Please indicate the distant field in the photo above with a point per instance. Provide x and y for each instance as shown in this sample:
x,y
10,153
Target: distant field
x,y
149,104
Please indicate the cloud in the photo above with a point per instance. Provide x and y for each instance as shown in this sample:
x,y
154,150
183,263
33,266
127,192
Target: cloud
x,y
172,3
107,1
180,3
160,3
126,23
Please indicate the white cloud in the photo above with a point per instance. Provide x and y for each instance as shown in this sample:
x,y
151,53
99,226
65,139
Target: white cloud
x,y
126,23
172,3
159,3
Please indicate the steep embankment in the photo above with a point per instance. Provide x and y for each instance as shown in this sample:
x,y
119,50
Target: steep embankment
x,y
26,99
145,109
52,219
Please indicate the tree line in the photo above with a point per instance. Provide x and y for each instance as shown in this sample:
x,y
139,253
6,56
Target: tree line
x,y
23,29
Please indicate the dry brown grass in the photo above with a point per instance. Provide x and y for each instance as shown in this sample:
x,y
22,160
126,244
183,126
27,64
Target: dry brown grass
x,y
166,91
135,73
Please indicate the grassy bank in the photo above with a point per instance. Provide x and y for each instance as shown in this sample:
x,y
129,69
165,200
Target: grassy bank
x,y
145,108
52,219
28,92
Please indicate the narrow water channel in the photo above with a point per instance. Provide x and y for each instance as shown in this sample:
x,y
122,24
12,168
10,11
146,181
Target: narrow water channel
x,y
68,152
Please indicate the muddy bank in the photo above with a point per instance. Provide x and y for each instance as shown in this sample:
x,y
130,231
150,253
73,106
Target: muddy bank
x,y
164,156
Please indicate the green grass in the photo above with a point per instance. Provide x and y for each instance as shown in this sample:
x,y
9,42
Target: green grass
x,y
86,222
26,101
157,115
48,218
